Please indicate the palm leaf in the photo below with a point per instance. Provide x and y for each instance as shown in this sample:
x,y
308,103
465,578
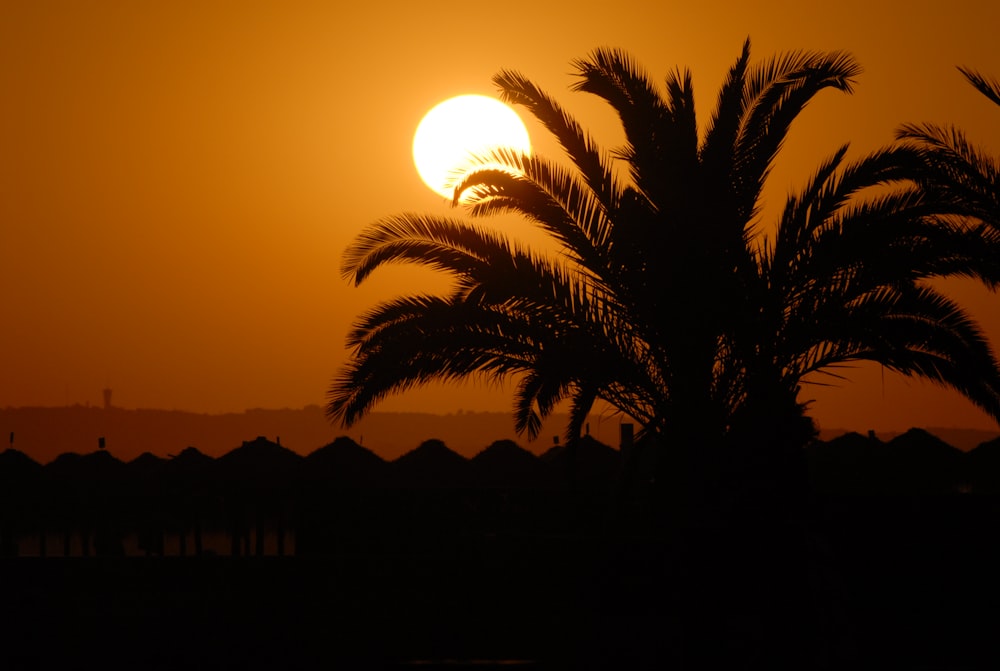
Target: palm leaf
x,y
987,86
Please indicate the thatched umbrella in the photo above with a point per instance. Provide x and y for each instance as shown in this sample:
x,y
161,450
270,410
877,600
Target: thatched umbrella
x,y
505,464
192,488
258,479
983,467
431,465
586,464
20,477
344,464
88,495
922,463
848,464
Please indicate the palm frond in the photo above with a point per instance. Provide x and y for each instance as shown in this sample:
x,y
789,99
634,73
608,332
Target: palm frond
x,y
582,403
989,87
549,195
956,170
444,244
776,93
915,331
723,128
578,145
661,134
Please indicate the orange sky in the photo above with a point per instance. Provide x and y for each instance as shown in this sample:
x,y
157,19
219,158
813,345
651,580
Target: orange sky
x,y
178,180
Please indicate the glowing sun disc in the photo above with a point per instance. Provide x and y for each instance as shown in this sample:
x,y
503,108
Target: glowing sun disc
x,y
459,128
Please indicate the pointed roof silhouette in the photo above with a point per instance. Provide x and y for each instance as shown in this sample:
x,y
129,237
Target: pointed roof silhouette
x,y
18,471
344,462
147,462
190,458
850,464
99,463
504,463
982,466
913,462
189,468
15,461
97,474
259,462
431,464
920,462
259,451
988,449
145,473
919,441
587,463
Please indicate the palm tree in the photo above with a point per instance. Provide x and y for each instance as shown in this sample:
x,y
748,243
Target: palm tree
x,y
670,300
959,169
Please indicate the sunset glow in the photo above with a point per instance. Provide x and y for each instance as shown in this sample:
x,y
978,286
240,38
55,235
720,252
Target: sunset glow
x,y
459,129
179,182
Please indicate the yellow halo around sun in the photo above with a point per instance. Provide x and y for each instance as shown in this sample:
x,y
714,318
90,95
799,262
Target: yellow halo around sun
x,y
459,128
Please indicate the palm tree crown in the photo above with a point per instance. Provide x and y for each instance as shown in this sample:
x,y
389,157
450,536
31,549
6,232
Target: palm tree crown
x,y
668,300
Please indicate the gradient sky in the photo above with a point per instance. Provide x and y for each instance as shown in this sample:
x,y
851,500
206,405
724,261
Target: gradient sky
x,y
178,180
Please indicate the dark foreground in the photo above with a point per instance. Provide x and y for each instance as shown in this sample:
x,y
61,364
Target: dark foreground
x,y
885,584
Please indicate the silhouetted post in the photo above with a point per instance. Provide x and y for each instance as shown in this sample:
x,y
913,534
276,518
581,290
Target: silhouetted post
x,y
42,548
67,540
259,540
245,531
182,541
236,533
240,526
197,536
281,532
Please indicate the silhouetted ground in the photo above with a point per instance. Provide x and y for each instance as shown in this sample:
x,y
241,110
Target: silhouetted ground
x,y
891,583
439,562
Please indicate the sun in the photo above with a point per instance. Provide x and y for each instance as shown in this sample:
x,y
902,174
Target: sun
x,y
458,129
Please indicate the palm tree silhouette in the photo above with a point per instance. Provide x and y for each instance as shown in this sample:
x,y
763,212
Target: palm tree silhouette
x,y
670,299
959,169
